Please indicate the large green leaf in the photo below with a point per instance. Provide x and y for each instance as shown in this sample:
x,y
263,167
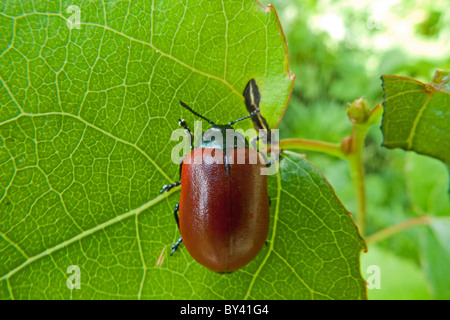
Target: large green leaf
x,y
313,237
85,125
417,115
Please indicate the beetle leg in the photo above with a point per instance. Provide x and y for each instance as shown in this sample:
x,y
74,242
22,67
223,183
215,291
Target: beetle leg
x,y
181,167
253,142
182,123
274,159
175,214
167,187
176,245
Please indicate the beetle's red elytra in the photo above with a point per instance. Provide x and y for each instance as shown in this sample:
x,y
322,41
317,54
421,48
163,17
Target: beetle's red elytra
x,y
224,205
224,218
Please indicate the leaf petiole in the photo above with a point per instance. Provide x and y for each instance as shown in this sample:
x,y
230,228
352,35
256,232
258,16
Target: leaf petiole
x,y
332,149
350,149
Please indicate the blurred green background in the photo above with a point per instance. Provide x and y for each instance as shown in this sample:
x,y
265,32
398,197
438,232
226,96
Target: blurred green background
x,y
338,50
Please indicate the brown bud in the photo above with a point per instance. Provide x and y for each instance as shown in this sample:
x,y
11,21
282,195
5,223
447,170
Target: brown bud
x,y
347,145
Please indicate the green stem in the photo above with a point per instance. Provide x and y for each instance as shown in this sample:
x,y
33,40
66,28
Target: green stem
x,y
350,149
383,234
357,174
333,149
355,159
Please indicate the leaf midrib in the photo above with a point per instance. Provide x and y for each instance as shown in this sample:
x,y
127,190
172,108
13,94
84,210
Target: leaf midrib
x,y
89,232
416,121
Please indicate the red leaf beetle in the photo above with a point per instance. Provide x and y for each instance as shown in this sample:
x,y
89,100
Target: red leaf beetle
x,y
224,205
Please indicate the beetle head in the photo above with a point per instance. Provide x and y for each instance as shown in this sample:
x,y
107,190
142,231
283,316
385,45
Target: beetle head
x,y
221,136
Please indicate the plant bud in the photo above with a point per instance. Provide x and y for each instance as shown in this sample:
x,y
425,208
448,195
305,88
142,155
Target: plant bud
x,y
347,145
358,111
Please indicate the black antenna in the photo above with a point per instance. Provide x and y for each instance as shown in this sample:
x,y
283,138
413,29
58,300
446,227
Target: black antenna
x,y
198,115
243,118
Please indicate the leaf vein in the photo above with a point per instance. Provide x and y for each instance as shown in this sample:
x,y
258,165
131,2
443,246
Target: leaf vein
x,y
85,234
